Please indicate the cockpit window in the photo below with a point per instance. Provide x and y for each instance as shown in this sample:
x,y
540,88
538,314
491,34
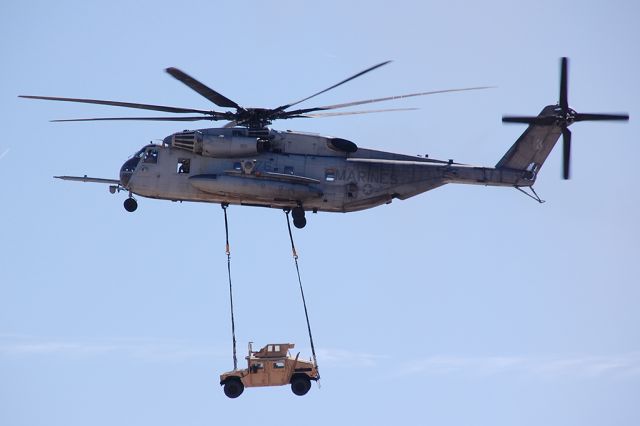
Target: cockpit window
x,y
151,156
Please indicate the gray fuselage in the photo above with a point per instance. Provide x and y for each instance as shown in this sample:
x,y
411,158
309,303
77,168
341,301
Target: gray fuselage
x,y
289,169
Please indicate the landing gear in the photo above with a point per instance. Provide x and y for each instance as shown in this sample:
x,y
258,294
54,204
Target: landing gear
x,y
299,221
130,204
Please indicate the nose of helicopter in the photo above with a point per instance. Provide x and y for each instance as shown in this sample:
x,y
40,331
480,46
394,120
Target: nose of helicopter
x,y
127,170
167,141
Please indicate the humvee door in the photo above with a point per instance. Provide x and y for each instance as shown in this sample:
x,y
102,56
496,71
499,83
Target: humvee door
x,y
257,375
278,372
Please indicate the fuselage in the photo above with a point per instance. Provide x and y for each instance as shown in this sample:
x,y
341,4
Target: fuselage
x,y
288,169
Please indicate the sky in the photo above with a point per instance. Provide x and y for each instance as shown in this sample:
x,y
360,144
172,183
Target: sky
x,y
464,305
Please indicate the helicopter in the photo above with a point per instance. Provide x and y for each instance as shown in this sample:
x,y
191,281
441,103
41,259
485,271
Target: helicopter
x,y
247,163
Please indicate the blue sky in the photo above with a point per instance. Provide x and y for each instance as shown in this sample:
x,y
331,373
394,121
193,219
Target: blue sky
x,y
465,305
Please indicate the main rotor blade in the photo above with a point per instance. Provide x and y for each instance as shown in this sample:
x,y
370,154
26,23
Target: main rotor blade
x,y
389,98
361,73
141,119
205,91
601,117
333,114
564,101
566,152
119,104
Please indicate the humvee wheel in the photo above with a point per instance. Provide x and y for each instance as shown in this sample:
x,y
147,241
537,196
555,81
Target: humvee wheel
x,y
300,385
130,205
233,388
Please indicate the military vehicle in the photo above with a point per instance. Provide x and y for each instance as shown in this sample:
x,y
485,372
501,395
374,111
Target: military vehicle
x,y
246,163
272,365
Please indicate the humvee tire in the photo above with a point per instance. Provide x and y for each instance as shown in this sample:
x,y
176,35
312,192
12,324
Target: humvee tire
x,y
233,387
300,384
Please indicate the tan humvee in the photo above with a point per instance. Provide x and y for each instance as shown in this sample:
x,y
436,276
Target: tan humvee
x,y
271,366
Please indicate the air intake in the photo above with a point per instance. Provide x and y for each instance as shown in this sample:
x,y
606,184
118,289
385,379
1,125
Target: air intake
x,y
189,141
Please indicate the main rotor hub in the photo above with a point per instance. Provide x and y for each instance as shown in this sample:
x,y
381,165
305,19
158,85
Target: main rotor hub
x,y
565,117
254,118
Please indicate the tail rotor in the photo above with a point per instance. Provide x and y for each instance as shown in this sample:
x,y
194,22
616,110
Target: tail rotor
x,y
563,117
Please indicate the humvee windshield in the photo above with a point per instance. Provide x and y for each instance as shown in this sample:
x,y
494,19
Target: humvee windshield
x,y
255,366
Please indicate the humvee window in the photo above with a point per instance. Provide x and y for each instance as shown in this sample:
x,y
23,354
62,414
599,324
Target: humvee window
x,y
279,364
237,166
330,175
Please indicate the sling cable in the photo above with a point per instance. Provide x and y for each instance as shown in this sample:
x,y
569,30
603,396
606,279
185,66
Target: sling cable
x,y
304,302
228,251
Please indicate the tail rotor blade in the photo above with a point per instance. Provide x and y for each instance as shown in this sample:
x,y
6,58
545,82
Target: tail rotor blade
x,y
564,101
601,117
519,119
566,152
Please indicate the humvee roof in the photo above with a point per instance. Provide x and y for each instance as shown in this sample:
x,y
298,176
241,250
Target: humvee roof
x,y
275,350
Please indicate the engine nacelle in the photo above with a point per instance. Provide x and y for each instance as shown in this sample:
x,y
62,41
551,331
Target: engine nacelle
x,y
234,146
218,146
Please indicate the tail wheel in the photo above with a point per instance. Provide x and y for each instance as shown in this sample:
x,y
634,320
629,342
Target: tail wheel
x,y
233,388
300,385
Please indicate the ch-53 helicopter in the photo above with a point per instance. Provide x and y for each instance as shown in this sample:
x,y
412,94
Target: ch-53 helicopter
x,y
247,163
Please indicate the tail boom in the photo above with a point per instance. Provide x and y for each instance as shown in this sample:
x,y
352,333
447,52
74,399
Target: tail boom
x,y
489,176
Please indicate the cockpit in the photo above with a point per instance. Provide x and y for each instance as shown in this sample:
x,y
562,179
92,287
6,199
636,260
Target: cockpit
x,y
148,154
